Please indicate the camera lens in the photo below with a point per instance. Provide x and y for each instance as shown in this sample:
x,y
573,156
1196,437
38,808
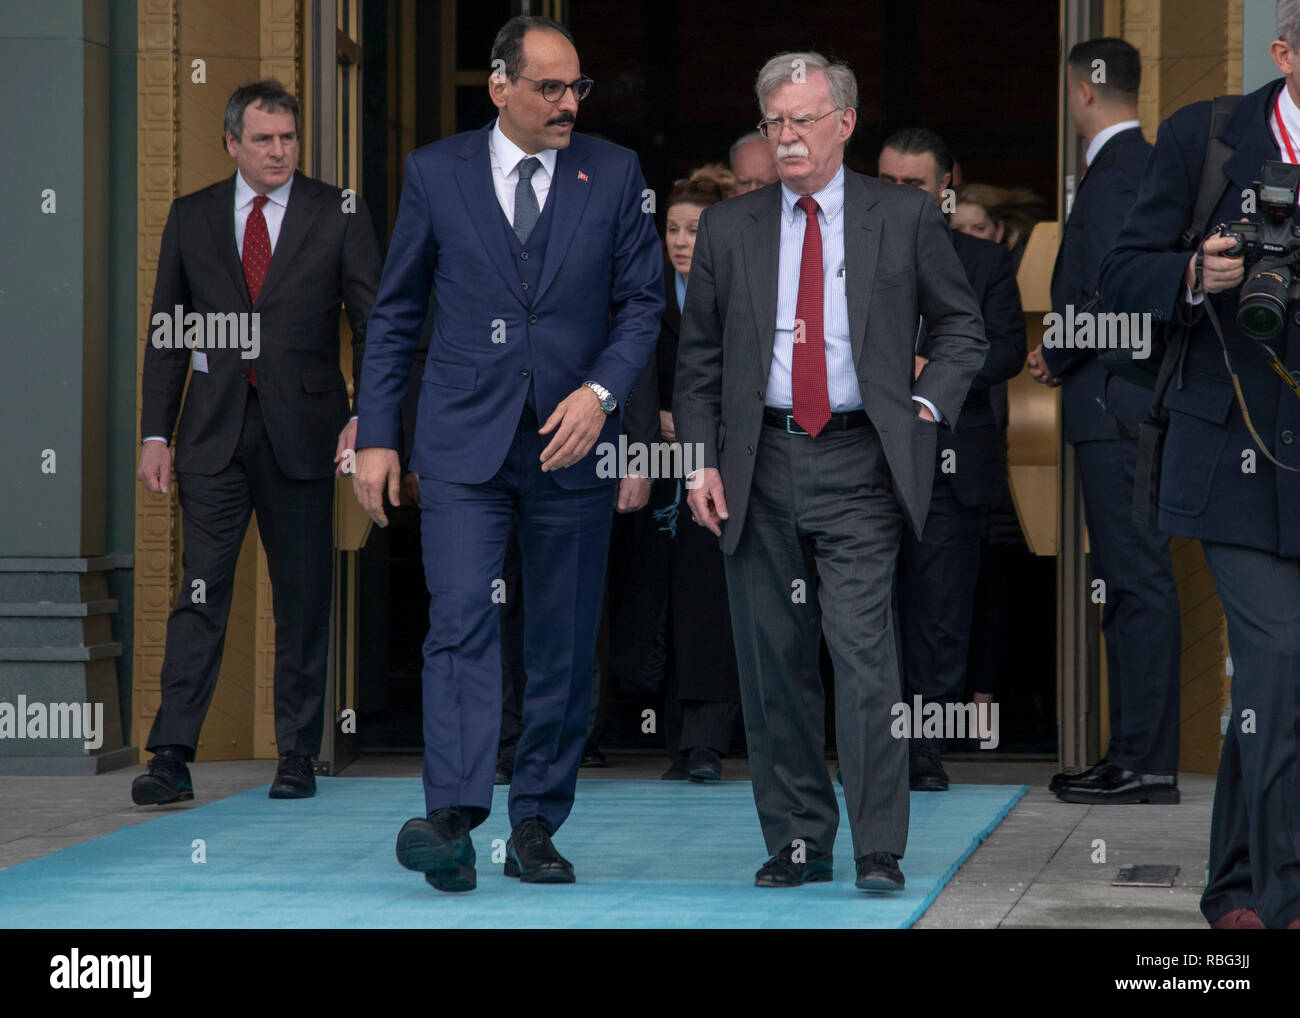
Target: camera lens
x,y
1261,312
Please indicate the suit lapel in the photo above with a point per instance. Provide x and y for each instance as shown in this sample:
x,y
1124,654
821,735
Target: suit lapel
x,y
304,204
762,253
474,178
861,248
569,194
221,220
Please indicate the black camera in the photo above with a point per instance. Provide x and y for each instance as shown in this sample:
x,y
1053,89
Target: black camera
x,y
1271,248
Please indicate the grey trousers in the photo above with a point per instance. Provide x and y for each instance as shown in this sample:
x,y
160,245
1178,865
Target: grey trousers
x,y
821,511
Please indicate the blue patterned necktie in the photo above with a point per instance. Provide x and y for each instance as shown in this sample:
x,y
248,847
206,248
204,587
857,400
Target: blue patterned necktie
x,y
526,210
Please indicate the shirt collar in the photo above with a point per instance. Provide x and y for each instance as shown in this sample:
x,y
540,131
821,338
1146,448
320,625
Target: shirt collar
x,y
1104,135
679,289
508,155
830,199
1290,116
244,194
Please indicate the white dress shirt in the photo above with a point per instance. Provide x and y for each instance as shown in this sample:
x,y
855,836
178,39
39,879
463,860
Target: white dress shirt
x,y
506,157
272,212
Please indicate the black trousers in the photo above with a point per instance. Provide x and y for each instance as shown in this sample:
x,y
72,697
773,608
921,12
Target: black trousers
x,y
936,599
1140,618
296,522
1255,830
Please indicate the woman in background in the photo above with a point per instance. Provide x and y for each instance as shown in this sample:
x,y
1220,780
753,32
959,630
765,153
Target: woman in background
x,y
1005,215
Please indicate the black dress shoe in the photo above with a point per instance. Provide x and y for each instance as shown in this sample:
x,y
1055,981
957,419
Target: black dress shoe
x,y
505,772
592,756
782,871
168,780
1062,779
293,778
440,847
879,872
532,857
925,771
705,765
1116,785
678,770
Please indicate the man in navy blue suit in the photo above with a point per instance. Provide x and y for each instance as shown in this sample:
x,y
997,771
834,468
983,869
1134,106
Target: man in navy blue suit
x,y
1140,615
937,571
545,266
1216,483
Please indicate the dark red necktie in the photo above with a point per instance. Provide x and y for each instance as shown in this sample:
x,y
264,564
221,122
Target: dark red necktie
x,y
812,404
257,258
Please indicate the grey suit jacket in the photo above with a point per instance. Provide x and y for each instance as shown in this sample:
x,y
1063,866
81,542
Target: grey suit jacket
x,y
899,264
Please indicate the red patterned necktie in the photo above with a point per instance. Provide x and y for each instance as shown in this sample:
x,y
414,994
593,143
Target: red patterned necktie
x,y
812,405
257,258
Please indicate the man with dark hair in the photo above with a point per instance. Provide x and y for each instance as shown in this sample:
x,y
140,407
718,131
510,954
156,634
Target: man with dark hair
x,y
1218,479
927,147
546,269
1140,615
937,571
265,425
819,448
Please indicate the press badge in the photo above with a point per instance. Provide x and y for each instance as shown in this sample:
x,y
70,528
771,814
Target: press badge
x,y
200,361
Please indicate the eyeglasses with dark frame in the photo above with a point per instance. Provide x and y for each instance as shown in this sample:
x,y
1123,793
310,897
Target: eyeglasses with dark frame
x,y
800,124
553,90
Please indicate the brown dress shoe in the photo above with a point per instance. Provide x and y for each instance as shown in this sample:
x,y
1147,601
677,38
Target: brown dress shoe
x,y
1239,919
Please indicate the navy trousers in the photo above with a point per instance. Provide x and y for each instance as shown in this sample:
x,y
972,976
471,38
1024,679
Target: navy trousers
x,y
564,543
1255,830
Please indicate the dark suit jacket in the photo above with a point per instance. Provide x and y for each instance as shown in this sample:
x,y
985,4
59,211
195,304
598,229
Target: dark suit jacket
x,y
641,420
1091,398
324,258
654,390
1205,492
976,439
899,264
593,315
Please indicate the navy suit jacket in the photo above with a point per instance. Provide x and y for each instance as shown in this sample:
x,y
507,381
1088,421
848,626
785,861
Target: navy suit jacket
x,y
976,439
1091,398
1208,487
594,314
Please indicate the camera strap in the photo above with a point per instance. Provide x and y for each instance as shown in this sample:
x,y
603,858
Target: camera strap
x,y
1210,190
1241,397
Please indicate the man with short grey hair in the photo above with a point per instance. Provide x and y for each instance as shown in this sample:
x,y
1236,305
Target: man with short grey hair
x,y
795,380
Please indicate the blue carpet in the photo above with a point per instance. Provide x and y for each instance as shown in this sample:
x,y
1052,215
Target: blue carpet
x,y
646,853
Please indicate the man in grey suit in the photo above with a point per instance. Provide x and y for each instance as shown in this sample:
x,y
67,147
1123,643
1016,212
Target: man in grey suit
x,y
797,344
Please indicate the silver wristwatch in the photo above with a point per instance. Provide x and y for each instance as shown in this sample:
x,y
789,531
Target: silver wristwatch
x,y
607,401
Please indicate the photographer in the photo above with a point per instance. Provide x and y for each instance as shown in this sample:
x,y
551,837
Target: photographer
x,y
1217,482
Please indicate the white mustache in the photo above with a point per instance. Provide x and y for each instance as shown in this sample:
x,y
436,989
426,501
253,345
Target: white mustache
x,y
795,149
